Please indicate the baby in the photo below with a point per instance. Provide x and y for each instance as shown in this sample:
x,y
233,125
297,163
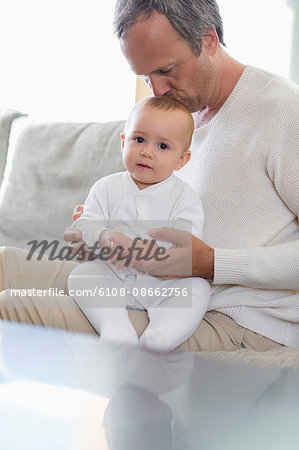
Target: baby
x,y
125,205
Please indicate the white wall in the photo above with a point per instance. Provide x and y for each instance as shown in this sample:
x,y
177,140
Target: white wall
x,y
261,32
60,60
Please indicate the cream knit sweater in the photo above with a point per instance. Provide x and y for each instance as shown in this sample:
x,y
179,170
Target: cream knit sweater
x,y
245,166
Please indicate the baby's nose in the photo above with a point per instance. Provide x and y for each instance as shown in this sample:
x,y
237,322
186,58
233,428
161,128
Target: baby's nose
x,y
147,151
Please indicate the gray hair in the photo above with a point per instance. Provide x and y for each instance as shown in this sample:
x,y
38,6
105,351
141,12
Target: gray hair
x,y
190,18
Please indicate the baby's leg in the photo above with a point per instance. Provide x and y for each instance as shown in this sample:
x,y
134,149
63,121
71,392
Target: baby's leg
x,y
97,291
172,323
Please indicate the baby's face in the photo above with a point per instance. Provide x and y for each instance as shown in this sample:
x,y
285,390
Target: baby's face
x,y
155,144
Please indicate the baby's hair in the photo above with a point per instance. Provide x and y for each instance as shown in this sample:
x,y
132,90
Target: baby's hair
x,y
167,104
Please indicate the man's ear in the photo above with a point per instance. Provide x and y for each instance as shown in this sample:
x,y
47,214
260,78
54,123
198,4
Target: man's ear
x,y
122,136
183,160
210,42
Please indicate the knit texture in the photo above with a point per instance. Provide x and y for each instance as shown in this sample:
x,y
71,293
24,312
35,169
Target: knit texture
x,y
245,167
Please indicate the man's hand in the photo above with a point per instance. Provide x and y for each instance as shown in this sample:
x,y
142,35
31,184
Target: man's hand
x,y
125,249
187,257
77,246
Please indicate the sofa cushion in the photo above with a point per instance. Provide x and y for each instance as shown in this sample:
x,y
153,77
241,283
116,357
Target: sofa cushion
x,y
6,119
53,167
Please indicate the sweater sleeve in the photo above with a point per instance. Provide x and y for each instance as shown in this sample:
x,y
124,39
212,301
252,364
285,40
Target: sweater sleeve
x,y
95,216
276,266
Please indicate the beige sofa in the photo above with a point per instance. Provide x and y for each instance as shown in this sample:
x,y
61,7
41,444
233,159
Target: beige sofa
x,y
48,168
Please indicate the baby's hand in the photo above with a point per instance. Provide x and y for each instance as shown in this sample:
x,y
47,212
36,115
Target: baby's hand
x,y
119,244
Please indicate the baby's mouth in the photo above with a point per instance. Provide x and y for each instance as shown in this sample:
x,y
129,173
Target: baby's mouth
x,y
145,166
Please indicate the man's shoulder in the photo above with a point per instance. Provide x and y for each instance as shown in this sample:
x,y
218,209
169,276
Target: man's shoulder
x,y
272,85
262,98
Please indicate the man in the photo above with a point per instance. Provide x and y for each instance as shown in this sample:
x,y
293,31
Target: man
x,y
245,167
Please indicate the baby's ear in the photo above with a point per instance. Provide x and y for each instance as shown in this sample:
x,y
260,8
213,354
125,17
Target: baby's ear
x,y
122,136
183,160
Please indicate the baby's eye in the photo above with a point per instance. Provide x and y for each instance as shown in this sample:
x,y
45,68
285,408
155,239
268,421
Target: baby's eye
x,y
163,146
139,139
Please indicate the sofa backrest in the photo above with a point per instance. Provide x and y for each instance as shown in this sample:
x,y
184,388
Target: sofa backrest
x,y
53,166
6,118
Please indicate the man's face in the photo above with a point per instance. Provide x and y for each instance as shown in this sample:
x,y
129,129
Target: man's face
x,y
155,144
155,51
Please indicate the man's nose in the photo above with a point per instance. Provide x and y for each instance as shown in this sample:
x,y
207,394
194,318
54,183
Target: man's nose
x,y
158,85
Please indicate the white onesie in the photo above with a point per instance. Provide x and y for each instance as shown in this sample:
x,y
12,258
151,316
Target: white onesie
x,y
175,306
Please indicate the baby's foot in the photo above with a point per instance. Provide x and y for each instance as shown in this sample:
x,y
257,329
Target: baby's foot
x,y
114,334
156,341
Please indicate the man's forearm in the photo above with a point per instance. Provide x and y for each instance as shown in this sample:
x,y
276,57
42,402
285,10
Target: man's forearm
x,y
270,267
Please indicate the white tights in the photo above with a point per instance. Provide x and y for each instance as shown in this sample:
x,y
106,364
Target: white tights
x,y
104,295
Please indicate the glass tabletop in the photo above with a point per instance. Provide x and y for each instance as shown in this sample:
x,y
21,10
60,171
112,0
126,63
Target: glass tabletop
x,y
62,390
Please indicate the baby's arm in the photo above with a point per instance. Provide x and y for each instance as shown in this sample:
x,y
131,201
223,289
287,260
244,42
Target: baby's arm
x,y
94,225
187,222
95,216
188,214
